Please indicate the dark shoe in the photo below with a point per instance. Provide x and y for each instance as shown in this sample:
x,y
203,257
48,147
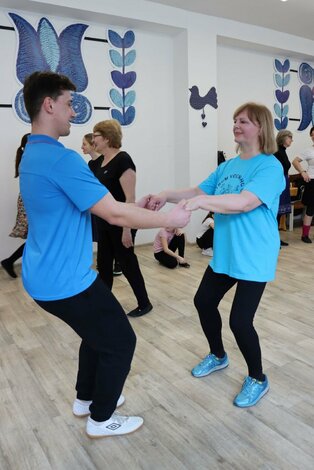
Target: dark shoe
x,y
184,265
8,267
139,312
283,243
306,239
117,271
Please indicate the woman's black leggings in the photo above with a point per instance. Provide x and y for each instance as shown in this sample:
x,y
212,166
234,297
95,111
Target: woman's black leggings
x,y
177,243
212,289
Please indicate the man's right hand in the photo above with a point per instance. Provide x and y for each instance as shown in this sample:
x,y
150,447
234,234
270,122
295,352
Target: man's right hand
x,y
178,216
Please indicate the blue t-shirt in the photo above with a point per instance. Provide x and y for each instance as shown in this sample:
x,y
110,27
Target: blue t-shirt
x,y
57,189
246,245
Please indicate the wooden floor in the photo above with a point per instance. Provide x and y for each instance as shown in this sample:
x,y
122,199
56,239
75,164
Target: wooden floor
x,y
189,423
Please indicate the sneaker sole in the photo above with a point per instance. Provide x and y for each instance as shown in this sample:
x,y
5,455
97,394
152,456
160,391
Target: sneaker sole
x,y
254,402
92,436
87,414
214,369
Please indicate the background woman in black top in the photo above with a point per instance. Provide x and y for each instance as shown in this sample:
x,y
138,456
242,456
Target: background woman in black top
x,y
284,140
116,170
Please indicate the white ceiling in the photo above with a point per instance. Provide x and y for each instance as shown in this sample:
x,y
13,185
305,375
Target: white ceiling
x,y
293,16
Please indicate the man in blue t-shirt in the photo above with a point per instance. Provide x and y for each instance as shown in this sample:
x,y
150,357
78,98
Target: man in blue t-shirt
x,y
59,192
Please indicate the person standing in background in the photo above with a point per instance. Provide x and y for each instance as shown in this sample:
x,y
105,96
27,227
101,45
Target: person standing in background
x,y
308,194
115,170
21,226
284,140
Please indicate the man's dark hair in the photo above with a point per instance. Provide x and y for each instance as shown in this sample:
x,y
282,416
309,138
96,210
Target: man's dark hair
x,y
39,85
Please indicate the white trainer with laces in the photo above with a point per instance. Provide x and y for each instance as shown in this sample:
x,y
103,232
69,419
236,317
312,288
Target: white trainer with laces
x,y
117,425
81,407
208,252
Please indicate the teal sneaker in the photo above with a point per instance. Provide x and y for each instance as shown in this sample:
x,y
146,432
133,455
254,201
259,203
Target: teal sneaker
x,y
251,392
210,364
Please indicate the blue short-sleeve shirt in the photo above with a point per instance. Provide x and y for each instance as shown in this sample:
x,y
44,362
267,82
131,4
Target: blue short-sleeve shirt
x,y
57,189
246,245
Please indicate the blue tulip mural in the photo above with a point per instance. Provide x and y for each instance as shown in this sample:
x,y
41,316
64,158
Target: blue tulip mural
x,y
282,79
306,76
44,50
121,59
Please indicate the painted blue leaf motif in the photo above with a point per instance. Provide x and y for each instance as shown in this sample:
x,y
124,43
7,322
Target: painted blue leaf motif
x,y
129,98
286,66
116,97
277,124
82,107
116,58
19,107
29,57
115,39
129,115
277,110
116,114
130,58
306,101
282,96
278,80
49,43
285,110
128,39
306,73
278,65
286,80
123,80
284,123
71,61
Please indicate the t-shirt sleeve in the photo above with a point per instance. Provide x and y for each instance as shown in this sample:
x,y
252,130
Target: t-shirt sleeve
x,y
72,174
267,183
209,184
125,163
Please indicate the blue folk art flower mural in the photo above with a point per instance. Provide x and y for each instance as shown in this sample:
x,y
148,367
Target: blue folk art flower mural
x,y
282,79
306,94
122,99
44,50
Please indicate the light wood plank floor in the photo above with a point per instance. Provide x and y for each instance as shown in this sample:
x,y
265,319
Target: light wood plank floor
x,y
189,423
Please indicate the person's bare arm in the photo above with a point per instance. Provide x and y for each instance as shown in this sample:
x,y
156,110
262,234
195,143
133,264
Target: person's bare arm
x,y
129,215
128,182
157,201
225,203
298,166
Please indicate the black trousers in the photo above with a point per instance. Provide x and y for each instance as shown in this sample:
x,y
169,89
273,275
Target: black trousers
x,y
206,240
212,289
177,243
110,247
17,254
107,347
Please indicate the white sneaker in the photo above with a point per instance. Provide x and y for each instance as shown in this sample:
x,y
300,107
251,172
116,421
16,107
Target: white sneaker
x,y
117,425
81,407
208,252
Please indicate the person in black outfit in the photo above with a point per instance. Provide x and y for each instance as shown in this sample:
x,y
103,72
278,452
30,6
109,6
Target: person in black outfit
x,y
116,170
284,140
21,226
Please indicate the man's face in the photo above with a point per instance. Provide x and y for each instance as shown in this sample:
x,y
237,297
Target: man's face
x,y
63,113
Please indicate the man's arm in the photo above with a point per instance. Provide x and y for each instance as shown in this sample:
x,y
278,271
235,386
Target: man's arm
x,y
129,215
157,201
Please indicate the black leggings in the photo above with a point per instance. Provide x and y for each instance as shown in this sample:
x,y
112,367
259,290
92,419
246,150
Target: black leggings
x,y
107,347
206,240
212,289
17,254
177,243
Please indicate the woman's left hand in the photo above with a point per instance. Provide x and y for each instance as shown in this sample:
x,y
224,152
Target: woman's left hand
x,y
193,204
126,240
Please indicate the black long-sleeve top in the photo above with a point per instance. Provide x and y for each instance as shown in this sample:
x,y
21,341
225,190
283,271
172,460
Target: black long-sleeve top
x,y
282,156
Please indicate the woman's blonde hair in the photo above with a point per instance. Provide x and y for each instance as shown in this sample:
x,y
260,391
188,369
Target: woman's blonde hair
x,y
260,114
111,130
282,135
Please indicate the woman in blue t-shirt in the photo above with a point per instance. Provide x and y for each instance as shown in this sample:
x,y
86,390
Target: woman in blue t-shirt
x,y
244,194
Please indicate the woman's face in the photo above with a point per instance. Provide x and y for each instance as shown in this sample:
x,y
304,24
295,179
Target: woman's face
x,y
100,143
288,141
86,147
246,132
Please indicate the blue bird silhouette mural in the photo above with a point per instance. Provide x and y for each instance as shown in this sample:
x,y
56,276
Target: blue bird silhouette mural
x,y
199,102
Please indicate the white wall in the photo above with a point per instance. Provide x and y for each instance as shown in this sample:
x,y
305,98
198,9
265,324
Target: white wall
x,y
175,50
247,75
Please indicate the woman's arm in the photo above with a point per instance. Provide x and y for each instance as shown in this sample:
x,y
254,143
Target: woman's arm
x,y
225,203
128,182
297,165
157,201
